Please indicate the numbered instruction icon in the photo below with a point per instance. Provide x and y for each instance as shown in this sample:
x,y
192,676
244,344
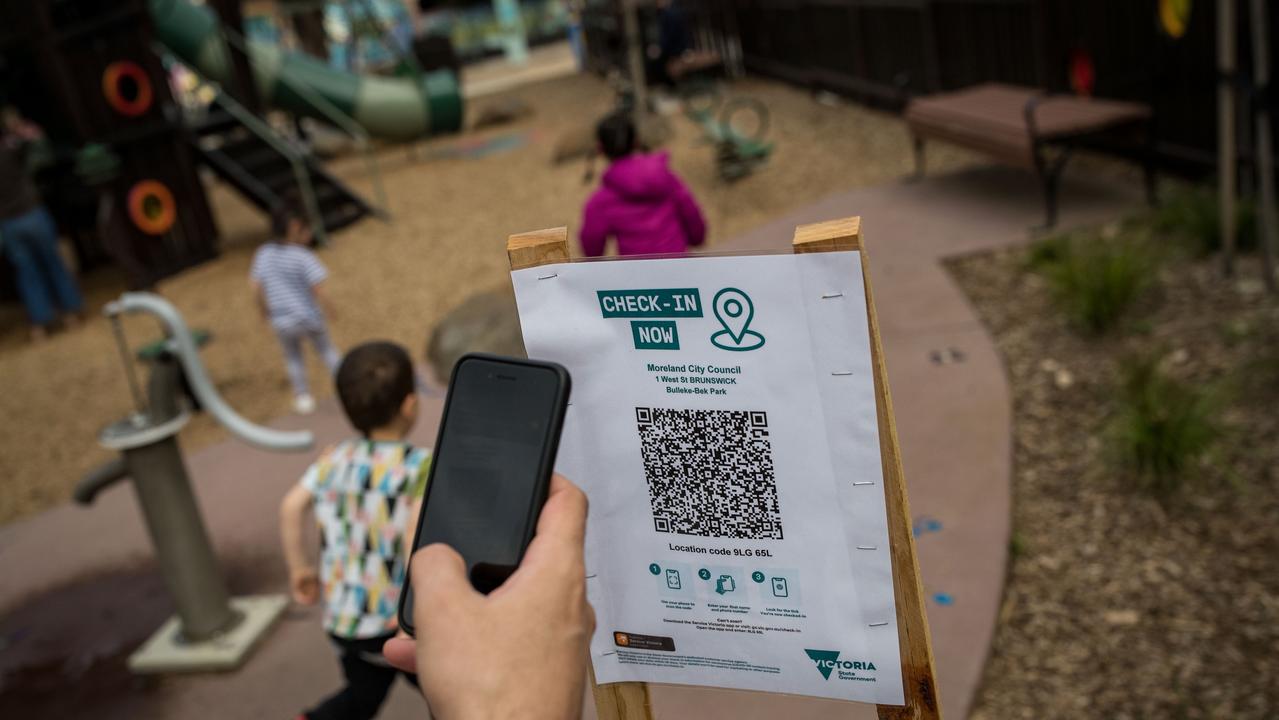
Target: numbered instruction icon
x,y
725,584
672,579
780,588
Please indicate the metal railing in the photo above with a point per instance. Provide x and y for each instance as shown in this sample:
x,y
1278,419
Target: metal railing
x,y
334,115
267,134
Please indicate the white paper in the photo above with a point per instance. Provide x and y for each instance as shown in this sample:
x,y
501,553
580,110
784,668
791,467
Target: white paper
x,y
724,597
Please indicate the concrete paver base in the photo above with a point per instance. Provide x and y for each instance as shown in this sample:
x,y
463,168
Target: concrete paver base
x,y
953,419
167,652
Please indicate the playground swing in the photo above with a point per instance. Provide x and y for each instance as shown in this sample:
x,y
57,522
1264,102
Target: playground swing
x,y
739,148
725,124
211,631
736,127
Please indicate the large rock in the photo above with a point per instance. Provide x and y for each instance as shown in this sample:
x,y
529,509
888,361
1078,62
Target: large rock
x,y
485,322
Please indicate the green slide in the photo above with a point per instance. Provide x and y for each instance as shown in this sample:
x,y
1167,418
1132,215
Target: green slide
x,y
392,108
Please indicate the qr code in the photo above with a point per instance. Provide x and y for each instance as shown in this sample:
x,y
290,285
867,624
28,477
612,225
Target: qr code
x,y
710,473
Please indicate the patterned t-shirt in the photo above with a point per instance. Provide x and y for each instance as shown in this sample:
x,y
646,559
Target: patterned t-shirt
x,y
363,494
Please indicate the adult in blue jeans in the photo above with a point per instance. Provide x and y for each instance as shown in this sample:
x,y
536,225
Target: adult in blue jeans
x,y
29,238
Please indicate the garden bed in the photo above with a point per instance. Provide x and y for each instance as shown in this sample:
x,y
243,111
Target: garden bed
x,y
1123,601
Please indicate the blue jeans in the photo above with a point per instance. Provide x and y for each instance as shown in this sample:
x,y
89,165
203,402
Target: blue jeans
x,y
30,242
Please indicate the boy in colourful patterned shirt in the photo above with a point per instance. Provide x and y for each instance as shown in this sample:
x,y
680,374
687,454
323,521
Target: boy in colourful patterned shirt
x,y
366,494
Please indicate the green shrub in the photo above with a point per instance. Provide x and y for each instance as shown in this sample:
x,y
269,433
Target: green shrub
x,y
1193,214
1016,545
1048,251
1096,281
1163,427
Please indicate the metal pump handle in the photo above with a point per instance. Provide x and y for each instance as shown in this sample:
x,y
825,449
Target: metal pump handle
x,y
198,378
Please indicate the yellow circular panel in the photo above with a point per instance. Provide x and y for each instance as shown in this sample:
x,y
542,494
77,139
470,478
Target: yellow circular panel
x,y
1174,16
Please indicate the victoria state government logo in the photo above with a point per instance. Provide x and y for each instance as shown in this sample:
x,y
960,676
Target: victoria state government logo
x,y
828,661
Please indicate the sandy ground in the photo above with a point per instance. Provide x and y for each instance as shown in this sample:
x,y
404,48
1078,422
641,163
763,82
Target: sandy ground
x,y
396,280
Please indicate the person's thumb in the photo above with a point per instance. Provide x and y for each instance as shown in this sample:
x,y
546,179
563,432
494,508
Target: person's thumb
x,y
401,652
438,577
439,581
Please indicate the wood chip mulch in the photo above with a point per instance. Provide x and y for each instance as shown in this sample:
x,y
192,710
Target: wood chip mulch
x,y
1118,605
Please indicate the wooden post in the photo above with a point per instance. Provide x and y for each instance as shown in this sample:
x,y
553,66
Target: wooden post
x,y
635,65
919,680
1226,130
540,247
630,701
242,86
1269,223
616,701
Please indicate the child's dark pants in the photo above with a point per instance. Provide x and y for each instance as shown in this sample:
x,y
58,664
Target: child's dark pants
x,y
368,680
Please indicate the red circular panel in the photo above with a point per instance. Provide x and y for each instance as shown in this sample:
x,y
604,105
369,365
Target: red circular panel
x,y
151,207
113,79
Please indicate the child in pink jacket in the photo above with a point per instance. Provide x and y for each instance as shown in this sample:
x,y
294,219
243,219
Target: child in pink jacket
x,y
640,201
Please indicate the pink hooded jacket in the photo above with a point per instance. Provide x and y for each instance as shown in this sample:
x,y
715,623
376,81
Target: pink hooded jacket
x,y
645,206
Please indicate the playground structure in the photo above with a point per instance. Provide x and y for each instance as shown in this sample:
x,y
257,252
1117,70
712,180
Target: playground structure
x,y
91,80
393,108
122,172
211,631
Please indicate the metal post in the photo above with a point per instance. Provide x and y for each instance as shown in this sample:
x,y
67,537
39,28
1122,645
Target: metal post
x,y
1226,129
242,85
164,388
181,543
635,60
122,346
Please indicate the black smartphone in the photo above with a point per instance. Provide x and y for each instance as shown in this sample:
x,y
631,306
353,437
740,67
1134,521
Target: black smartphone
x,y
491,467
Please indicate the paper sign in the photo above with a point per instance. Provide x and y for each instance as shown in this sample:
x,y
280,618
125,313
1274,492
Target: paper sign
x,y
723,426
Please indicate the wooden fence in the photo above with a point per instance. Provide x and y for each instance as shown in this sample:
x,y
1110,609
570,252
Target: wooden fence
x,y
883,51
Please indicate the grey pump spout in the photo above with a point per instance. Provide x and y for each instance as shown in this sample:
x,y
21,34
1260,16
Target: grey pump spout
x,y
201,386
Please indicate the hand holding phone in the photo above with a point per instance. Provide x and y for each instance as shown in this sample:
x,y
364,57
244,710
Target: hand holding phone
x,y
492,466
518,652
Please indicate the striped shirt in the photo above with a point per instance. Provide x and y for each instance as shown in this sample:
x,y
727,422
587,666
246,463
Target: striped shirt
x,y
286,274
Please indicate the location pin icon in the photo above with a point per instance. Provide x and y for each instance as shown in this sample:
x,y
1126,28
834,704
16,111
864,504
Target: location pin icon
x,y
734,310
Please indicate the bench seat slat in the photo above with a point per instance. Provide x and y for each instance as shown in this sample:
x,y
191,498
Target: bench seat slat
x,y
998,111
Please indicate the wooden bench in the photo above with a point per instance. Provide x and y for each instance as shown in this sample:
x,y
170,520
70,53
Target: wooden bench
x,y
1028,128
694,62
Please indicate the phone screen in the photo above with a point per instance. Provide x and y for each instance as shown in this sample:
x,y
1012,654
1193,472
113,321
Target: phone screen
x,y
492,463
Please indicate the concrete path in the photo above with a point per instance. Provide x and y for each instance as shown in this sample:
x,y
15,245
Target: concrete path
x,y
953,419
496,75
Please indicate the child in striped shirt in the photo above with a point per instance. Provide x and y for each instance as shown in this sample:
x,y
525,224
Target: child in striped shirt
x,y
288,281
